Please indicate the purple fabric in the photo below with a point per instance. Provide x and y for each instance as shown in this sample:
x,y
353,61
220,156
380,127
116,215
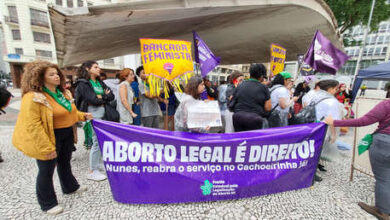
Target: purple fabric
x,y
380,113
203,55
219,160
323,56
204,95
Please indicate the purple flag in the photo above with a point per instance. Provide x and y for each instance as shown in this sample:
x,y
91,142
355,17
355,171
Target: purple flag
x,y
323,56
146,165
203,55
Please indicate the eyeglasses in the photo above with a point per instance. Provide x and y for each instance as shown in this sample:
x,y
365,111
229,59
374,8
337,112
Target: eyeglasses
x,y
68,82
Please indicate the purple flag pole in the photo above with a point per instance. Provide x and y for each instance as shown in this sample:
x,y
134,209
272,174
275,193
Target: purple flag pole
x,y
323,56
203,55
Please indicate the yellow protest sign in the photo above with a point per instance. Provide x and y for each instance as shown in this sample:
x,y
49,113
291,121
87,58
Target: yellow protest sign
x,y
166,60
278,56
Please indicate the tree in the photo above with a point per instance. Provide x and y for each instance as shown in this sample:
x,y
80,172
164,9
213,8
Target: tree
x,y
350,13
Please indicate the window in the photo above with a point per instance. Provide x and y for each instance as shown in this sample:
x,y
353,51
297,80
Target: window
x,y
59,2
373,39
357,51
70,3
387,39
370,51
38,18
43,53
80,3
41,37
16,34
19,51
89,3
378,51
382,28
365,52
368,40
351,52
13,14
384,51
380,40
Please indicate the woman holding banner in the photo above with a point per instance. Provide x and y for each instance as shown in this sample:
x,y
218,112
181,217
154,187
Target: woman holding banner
x,y
44,130
91,96
251,100
379,155
126,96
193,91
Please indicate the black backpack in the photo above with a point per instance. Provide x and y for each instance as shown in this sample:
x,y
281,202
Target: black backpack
x,y
5,98
308,114
273,118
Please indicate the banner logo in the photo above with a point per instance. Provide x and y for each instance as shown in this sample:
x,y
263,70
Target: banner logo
x,y
206,188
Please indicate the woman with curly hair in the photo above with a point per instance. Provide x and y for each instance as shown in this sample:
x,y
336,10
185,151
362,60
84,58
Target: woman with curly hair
x,y
91,95
44,130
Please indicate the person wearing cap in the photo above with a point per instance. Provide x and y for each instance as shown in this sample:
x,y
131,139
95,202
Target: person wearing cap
x,y
280,96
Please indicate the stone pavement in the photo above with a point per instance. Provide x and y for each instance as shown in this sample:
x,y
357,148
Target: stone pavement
x,y
333,198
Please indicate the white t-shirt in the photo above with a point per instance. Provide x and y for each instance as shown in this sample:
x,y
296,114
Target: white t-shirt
x,y
281,92
306,99
328,107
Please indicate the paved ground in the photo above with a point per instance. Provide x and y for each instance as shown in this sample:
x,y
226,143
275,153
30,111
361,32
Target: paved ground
x,y
333,198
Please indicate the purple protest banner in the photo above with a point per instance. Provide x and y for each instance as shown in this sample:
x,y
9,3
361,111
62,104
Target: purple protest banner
x,y
147,165
323,56
203,55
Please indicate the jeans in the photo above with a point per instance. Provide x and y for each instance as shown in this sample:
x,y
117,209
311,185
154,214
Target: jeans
x,y
95,157
380,163
151,121
46,195
137,110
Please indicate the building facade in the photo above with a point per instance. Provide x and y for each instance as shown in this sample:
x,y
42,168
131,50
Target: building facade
x,y
376,51
26,28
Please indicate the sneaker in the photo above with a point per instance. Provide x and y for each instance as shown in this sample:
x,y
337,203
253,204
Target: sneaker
x,y
55,210
1,159
81,189
373,211
317,178
96,175
321,168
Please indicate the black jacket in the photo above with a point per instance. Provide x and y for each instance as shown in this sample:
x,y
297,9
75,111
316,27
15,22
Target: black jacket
x,y
85,95
300,91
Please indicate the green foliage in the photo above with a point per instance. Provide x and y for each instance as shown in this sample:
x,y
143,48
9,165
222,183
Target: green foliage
x,y
350,13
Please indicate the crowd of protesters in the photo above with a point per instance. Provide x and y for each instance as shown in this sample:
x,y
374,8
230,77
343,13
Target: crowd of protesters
x,y
49,115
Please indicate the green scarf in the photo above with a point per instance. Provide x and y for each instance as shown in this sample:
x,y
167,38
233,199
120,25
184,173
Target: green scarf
x,y
97,87
251,79
60,98
88,135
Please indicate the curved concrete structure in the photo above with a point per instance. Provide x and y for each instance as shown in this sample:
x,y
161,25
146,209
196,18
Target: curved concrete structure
x,y
240,31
